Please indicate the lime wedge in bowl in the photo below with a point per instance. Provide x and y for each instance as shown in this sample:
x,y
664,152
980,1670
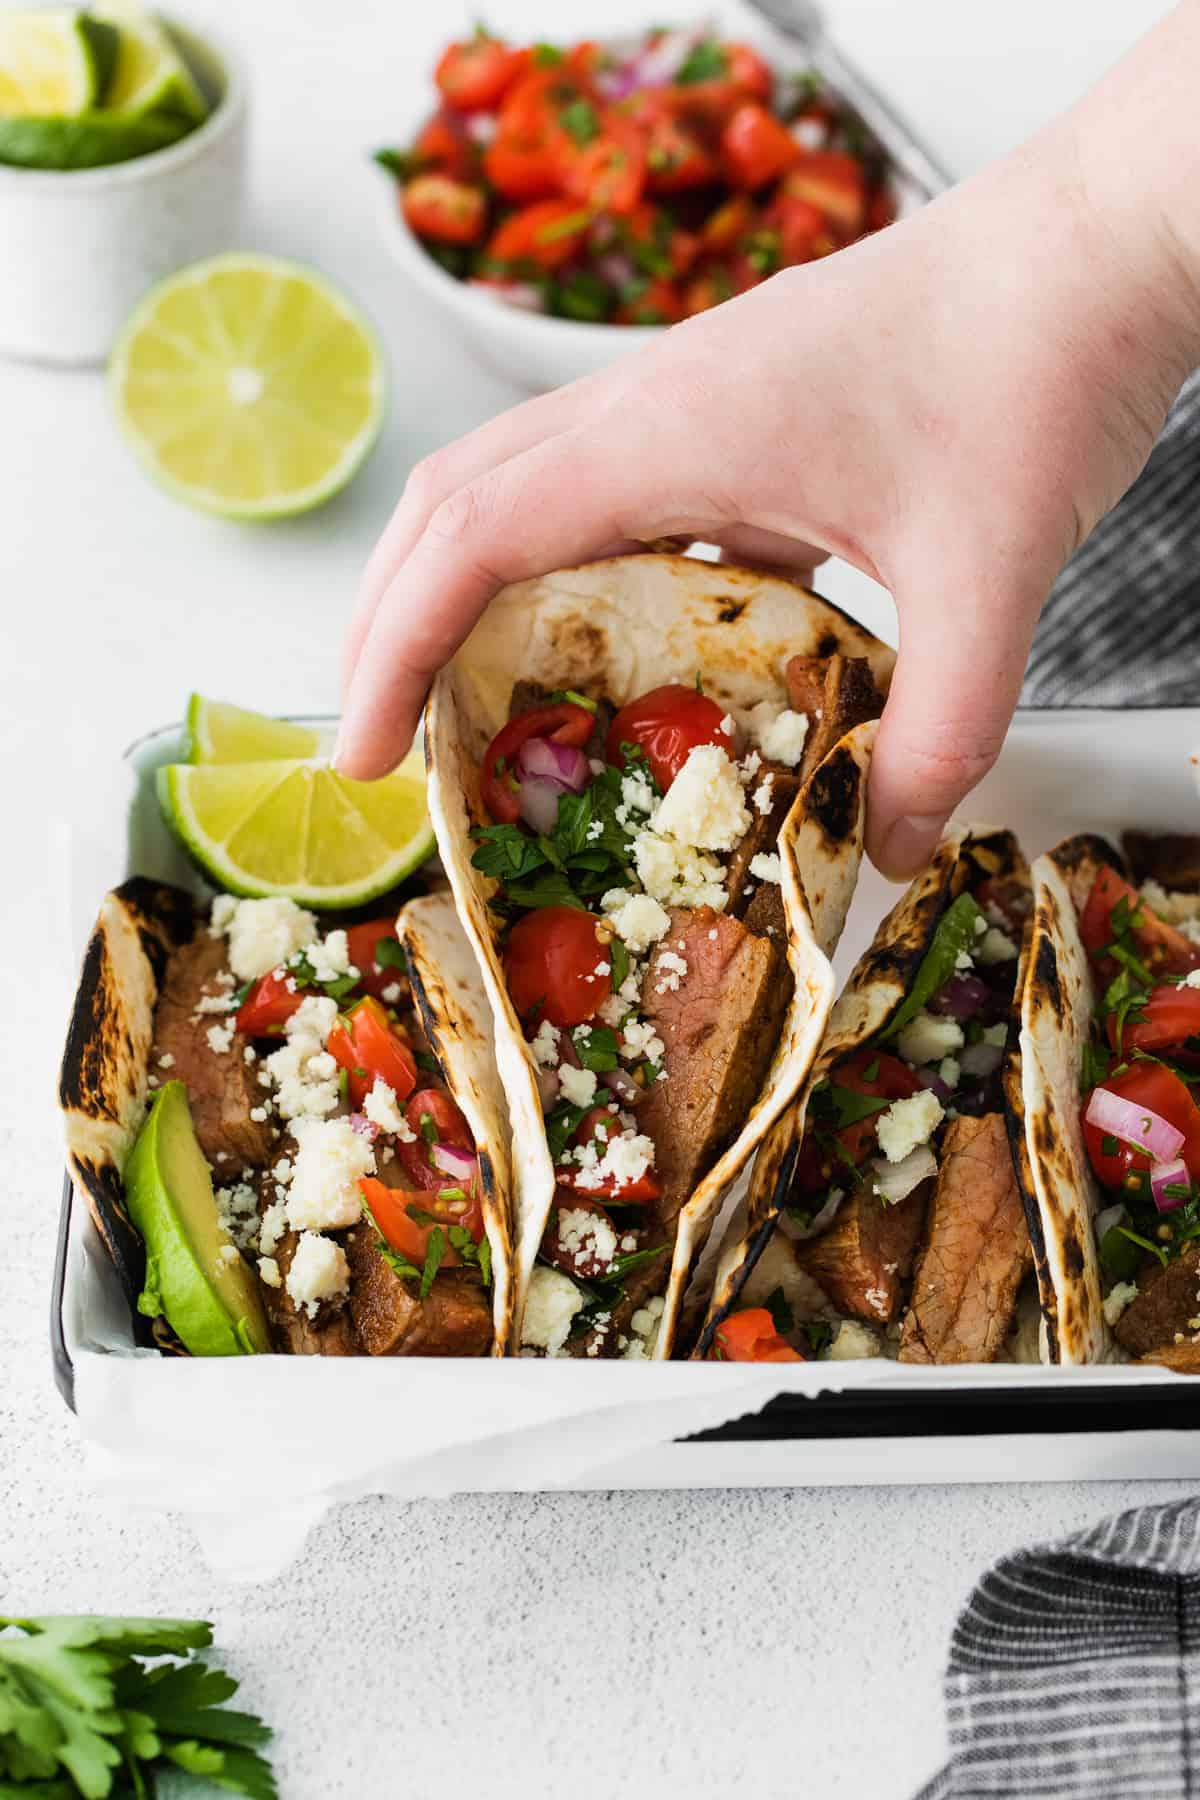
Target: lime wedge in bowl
x,y
54,64
92,142
296,827
149,75
248,386
221,733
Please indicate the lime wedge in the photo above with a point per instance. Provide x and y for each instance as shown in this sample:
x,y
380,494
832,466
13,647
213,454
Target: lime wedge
x,y
93,142
297,828
218,733
150,75
53,64
248,386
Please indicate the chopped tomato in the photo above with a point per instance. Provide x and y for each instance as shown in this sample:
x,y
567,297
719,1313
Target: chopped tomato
x,y
582,1252
708,289
370,1048
557,966
393,1210
476,75
881,211
1162,949
548,234
1152,1085
365,941
888,1079
531,104
434,1118
596,1127
657,245
834,181
725,227
583,61
450,212
1164,1020
269,1005
668,723
743,75
607,174
802,229
521,168
750,1336
563,721
659,303
442,144
676,159
756,148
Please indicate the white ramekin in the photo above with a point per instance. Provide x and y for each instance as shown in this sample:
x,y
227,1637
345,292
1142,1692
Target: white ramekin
x,y
82,246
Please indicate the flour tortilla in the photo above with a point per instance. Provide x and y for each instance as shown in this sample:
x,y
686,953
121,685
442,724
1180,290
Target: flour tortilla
x,y
873,994
104,1077
1057,998
618,628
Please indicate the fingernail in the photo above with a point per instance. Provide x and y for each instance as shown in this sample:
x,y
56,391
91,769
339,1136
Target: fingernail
x,y
339,745
909,845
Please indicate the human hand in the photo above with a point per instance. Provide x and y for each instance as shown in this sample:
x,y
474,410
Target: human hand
x,y
950,406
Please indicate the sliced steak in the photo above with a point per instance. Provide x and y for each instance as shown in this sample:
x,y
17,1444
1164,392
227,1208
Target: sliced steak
x,y
742,887
976,1250
330,1332
719,1024
223,1088
862,1261
1162,1317
1170,858
837,692
454,1319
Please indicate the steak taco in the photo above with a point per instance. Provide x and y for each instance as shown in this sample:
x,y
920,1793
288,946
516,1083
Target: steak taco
x,y
1106,1110
289,1133
883,1215
647,778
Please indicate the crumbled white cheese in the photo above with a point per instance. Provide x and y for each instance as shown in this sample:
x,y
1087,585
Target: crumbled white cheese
x,y
319,1271
329,958
551,1304
237,1209
223,909
641,1040
670,969
268,1271
767,866
303,1072
228,1254
1191,979
587,1234
260,1114
907,1123
1117,1299
391,993
996,1035
677,875
637,798
764,795
383,1109
1175,909
213,1003
949,1071
644,1327
626,1159
330,1162
637,919
964,961
995,946
928,1037
544,1045
851,1342
249,1054
166,1060
781,737
263,934
728,725
578,1086
273,1226
704,806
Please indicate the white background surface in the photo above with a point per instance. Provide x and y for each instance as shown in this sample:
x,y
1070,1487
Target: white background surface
x,y
767,1643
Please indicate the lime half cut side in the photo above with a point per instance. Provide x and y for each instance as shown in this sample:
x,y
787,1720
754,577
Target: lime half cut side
x,y
217,732
54,64
248,386
296,827
149,73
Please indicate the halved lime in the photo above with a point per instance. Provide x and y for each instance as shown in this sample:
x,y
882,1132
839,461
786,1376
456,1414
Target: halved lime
x,y
92,142
249,386
299,828
54,64
219,733
150,75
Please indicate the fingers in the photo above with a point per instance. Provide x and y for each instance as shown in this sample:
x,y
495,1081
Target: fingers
x,y
559,503
962,655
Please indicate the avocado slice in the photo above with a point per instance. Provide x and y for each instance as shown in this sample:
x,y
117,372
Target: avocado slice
x,y
211,1301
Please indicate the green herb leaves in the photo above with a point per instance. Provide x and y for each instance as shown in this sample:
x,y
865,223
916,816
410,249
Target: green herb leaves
x,y
958,930
587,853
80,1713
596,1047
706,61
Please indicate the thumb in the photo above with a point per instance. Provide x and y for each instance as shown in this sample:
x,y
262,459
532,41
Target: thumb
x,y
963,648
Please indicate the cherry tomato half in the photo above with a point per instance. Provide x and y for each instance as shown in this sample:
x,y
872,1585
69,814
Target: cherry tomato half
x,y
557,966
433,1118
371,1048
1153,1085
565,722
450,212
676,159
890,1080
1164,1019
547,233
668,723
596,1127
268,1006
609,173
836,183
391,1210
750,1336
378,978
755,147
442,144
475,75
1163,949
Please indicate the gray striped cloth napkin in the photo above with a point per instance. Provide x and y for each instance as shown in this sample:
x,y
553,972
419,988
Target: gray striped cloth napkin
x,y
1075,1669
1122,625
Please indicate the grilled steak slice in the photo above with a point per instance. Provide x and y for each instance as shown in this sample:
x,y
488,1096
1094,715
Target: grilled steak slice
x,y
1167,1303
454,1319
719,1024
330,1332
1167,857
223,1089
862,1260
837,692
742,887
976,1251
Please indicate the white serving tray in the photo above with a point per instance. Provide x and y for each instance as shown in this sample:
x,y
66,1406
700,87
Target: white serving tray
x,y
227,1441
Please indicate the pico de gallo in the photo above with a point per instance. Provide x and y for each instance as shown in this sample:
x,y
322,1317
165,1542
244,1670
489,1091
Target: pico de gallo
x,y
636,183
904,1156
643,942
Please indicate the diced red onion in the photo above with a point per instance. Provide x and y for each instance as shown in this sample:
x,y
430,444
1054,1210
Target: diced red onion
x,y
621,1083
524,295
959,997
658,64
539,802
549,761
365,1127
547,1083
462,1164
1135,1125
929,1078
481,127
616,268
1170,1174
981,1059
602,233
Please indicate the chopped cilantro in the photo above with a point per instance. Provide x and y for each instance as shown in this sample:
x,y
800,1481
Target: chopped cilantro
x,y
546,56
1134,1237
846,1106
579,121
582,295
597,1048
618,956
564,227
957,931
435,1250
425,1061
819,1334
561,1124
569,866
343,1083
706,61
242,994
572,697
398,1264
871,1072
403,164
1118,1256
1094,1066
389,955
1109,1146
428,1129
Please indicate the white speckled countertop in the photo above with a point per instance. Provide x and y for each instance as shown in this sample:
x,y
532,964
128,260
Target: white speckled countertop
x,y
709,1644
